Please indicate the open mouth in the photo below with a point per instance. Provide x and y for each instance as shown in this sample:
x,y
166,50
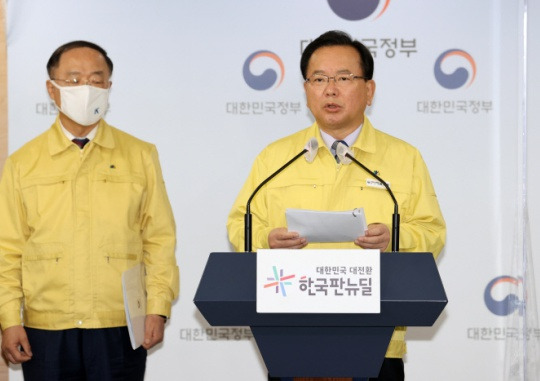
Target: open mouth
x,y
332,107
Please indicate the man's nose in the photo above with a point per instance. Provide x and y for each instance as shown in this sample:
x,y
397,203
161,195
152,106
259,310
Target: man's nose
x,y
331,87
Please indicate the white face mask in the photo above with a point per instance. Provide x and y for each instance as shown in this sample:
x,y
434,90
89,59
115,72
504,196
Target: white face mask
x,y
83,104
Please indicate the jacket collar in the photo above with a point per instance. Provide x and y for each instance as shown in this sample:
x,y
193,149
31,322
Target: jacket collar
x,y
366,141
58,142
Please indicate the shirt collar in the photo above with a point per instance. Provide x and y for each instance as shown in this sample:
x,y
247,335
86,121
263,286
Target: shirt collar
x,y
60,141
91,135
349,139
365,140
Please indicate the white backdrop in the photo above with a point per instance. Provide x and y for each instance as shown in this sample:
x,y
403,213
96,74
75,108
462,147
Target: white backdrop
x,y
178,82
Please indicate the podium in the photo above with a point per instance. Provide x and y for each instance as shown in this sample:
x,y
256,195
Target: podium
x,y
322,344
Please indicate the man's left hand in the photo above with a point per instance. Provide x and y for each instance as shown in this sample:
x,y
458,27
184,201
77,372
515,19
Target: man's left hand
x,y
154,328
377,237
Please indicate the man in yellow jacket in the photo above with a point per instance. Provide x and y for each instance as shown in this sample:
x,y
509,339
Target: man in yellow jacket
x,y
338,74
80,204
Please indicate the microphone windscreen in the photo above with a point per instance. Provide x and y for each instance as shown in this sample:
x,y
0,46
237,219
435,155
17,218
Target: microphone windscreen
x,y
311,146
341,151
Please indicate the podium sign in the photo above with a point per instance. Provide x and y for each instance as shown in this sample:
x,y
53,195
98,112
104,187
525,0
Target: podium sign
x,y
318,281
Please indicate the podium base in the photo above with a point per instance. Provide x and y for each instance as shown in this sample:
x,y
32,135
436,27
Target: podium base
x,y
332,351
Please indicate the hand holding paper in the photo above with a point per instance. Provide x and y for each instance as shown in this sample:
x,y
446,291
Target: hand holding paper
x,y
281,238
377,237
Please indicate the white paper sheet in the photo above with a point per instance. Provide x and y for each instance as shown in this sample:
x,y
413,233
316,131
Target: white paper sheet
x,y
318,226
134,291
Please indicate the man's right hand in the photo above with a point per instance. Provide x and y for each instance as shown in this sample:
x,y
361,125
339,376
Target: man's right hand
x,y
281,238
15,346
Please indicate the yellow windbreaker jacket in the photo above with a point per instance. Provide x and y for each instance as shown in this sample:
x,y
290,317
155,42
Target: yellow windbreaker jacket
x,y
329,186
73,220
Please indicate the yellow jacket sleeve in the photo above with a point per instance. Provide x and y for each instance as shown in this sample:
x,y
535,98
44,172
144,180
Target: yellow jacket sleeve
x,y
423,228
13,234
158,235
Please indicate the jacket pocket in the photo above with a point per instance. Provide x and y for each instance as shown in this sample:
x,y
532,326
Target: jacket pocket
x,y
114,259
43,197
378,205
45,278
297,193
118,196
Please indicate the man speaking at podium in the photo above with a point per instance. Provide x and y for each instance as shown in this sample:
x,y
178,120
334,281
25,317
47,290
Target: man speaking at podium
x,y
80,204
338,74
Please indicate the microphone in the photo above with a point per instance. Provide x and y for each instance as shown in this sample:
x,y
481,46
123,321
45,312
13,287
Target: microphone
x,y
309,152
345,157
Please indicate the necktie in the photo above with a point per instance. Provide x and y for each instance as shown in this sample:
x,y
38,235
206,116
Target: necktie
x,y
81,142
334,147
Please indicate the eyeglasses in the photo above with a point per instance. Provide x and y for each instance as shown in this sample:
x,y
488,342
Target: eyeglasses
x,y
92,81
341,80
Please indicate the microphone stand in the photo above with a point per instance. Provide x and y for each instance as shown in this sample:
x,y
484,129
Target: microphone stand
x,y
395,216
247,216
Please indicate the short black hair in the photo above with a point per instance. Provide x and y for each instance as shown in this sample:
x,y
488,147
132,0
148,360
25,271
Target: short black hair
x,y
55,57
338,38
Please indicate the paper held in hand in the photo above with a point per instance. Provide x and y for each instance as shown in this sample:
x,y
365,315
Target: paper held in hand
x,y
318,226
133,287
